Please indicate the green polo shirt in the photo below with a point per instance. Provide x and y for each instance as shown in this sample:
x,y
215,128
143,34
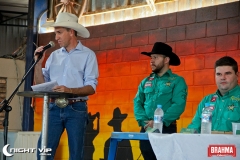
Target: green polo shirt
x,y
225,111
169,90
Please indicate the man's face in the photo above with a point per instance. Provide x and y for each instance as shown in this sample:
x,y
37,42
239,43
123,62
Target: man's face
x,y
63,36
226,78
157,62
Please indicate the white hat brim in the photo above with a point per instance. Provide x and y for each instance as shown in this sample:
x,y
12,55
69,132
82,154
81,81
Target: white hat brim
x,y
47,24
68,20
81,31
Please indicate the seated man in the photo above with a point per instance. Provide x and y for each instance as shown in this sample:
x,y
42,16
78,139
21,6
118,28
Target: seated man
x,y
163,87
226,100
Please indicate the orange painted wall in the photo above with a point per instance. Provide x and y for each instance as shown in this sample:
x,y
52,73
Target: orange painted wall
x,y
199,37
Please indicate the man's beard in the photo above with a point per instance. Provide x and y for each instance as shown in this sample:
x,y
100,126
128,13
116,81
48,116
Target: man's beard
x,y
158,69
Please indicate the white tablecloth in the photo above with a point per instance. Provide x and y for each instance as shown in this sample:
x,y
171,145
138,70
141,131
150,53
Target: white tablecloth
x,y
191,146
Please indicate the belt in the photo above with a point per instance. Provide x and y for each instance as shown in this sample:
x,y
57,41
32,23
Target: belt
x,y
70,101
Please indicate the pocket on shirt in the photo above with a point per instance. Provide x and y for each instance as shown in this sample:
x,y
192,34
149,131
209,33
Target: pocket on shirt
x,y
76,71
56,71
78,74
166,90
166,93
232,115
148,90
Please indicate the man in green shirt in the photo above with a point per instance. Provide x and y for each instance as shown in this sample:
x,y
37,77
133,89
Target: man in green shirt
x,y
225,102
160,87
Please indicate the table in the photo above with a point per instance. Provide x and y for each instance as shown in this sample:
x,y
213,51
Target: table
x,y
178,146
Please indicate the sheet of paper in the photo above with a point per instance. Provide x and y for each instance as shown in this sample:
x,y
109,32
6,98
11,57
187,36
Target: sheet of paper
x,y
44,86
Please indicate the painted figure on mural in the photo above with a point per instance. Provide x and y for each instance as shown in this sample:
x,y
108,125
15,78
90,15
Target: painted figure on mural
x,y
75,69
160,87
70,6
124,150
91,134
225,102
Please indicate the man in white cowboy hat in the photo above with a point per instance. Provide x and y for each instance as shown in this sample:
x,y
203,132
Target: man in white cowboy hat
x,y
161,87
75,69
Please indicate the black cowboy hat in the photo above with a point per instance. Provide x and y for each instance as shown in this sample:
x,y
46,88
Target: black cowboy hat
x,y
164,49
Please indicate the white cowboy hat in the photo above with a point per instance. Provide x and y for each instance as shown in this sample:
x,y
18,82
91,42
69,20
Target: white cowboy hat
x,y
68,20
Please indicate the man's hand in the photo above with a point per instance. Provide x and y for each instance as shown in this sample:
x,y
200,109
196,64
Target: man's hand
x,y
62,89
148,124
38,75
39,49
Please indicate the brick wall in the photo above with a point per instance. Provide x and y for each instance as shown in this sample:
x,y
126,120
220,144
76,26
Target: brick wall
x,y
199,37
3,90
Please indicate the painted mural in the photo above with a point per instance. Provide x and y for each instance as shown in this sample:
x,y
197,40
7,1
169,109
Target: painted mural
x,y
199,37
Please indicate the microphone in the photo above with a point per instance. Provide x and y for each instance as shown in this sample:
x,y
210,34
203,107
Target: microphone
x,y
49,45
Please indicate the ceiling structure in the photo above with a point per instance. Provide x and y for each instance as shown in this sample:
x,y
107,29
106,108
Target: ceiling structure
x,y
14,8
19,8
99,12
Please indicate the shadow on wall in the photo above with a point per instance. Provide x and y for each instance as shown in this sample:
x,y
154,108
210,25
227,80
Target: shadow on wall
x,y
90,136
124,151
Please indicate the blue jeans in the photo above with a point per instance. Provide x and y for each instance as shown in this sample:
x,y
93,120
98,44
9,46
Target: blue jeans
x,y
74,118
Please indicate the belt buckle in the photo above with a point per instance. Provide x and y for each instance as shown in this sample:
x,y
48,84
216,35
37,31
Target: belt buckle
x,y
61,102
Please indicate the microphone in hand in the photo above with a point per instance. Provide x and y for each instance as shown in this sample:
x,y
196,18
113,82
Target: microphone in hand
x,y
49,45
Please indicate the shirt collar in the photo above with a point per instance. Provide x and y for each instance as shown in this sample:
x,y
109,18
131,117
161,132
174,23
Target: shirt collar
x,y
169,72
166,74
233,91
78,47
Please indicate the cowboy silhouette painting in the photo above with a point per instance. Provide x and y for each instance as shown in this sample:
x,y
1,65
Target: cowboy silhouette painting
x,y
124,151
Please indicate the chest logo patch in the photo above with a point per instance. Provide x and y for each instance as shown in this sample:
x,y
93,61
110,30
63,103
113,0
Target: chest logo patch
x,y
231,108
212,107
235,99
214,98
148,84
171,78
151,78
168,83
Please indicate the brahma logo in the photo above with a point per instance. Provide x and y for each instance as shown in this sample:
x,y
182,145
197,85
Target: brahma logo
x,y
222,150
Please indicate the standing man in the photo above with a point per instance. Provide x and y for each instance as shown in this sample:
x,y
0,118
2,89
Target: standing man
x,y
225,102
160,87
75,69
